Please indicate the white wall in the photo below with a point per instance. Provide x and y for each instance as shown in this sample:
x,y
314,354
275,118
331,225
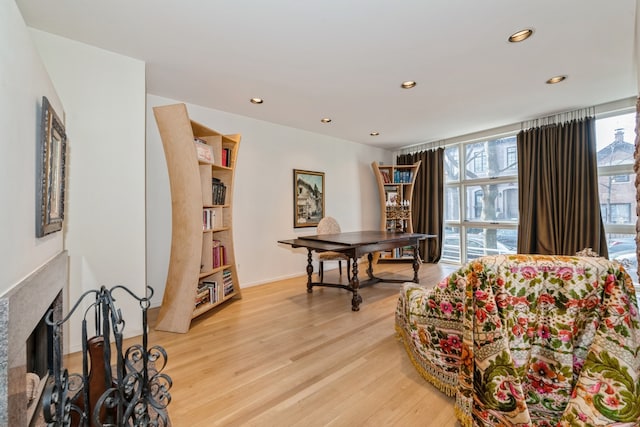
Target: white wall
x,y
104,98
23,82
263,193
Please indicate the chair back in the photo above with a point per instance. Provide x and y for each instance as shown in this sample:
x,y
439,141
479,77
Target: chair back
x,y
328,225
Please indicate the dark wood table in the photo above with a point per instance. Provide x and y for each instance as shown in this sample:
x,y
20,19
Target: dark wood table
x,y
355,245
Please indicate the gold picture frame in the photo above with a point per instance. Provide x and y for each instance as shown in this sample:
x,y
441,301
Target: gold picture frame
x,y
308,198
51,172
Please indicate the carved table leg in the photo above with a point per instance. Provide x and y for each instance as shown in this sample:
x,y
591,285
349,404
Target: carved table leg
x,y
370,268
309,271
355,285
416,262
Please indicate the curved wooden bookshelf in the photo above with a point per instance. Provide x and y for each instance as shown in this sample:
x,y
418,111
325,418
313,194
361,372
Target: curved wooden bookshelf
x,y
192,264
395,212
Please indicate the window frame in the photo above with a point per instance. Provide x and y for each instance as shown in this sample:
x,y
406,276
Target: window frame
x,y
460,222
463,184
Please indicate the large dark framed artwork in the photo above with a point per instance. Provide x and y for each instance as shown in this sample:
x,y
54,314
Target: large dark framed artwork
x,y
308,198
50,169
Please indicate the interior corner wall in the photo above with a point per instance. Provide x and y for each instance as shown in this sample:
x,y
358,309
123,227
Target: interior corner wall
x,y
104,98
263,192
23,82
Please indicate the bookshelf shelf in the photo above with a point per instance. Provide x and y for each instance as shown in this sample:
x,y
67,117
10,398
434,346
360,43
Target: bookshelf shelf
x,y
206,307
216,230
213,271
201,165
395,188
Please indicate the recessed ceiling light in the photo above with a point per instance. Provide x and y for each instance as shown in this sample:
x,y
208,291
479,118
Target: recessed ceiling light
x,y
325,120
256,100
556,79
408,84
374,133
521,35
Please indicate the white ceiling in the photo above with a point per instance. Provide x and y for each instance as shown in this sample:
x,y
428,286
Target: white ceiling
x,y
346,59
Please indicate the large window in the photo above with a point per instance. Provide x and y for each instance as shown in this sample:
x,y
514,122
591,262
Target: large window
x,y
481,208
615,138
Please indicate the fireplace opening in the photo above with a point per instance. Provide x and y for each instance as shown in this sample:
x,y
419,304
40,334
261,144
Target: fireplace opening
x,y
39,363
39,350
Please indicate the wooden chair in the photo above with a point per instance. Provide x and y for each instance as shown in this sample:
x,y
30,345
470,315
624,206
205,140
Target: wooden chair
x,y
328,225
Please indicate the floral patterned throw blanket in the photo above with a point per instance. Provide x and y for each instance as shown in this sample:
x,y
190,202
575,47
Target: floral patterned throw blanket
x,y
529,340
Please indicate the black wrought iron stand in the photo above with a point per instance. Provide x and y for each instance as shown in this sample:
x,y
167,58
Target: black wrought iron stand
x,y
133,392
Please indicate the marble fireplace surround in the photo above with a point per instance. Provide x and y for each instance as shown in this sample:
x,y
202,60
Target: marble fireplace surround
x,y
21,308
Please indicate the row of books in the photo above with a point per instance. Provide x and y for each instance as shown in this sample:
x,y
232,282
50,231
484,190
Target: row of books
x,y
208,293
406,252
219,254
402,176
219,191
209,290
227,281
399,176
211,219
385,176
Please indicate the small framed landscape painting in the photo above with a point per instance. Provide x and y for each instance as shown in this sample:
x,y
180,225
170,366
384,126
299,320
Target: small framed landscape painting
x,y
50,169
308,198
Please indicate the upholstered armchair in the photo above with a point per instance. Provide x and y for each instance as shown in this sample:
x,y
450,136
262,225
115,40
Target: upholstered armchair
x,y
529,340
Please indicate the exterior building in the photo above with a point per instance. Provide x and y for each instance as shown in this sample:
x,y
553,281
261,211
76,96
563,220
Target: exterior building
x,y
617,191
309,206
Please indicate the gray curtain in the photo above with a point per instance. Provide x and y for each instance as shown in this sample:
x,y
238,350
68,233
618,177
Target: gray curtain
x,y
427,209
558,190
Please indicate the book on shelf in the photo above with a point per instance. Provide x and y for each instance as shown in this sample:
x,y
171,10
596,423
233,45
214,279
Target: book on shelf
x,y
227,282
209,220
386,178
219,191
219,254
203,291
204,152
226,157
407,252
211,287
203,296
216,253
215,294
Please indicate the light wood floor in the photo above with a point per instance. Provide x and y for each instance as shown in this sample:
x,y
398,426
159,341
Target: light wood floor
x,y
282,357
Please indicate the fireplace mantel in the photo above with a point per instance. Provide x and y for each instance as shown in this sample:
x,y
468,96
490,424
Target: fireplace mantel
x,y
20,311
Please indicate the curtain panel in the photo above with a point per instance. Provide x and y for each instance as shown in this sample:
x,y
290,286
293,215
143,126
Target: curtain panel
x,y
558,190
428,200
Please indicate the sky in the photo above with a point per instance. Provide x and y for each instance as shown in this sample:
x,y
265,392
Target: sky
x,y
605,129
